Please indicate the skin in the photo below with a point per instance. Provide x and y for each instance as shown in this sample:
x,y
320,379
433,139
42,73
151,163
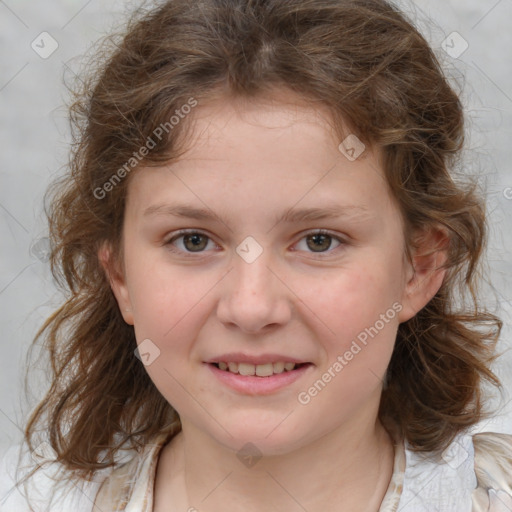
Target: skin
x,y
249,162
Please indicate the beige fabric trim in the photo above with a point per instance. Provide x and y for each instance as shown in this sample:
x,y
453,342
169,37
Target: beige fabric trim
x,y
130,487
392,496
493,469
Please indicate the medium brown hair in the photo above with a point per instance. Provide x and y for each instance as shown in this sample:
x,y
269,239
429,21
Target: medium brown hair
x,y
366,62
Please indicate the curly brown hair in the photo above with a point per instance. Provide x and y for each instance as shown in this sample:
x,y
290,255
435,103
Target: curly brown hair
x,y
377,74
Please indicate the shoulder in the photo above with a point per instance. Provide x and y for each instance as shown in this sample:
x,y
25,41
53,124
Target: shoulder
x,y
46,490
473,474
493,469
51,489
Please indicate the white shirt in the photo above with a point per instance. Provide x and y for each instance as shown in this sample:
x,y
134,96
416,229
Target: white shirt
x,y
473,475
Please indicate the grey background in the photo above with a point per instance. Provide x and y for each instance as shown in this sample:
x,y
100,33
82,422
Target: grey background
x,y
34,135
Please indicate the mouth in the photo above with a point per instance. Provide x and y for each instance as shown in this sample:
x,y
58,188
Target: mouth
x,y
258,379
258,370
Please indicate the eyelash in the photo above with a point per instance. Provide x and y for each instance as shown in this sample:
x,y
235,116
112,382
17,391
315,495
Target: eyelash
x,y
179,234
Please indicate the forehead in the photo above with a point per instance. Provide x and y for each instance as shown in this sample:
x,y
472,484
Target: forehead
x,y
257,123
272,151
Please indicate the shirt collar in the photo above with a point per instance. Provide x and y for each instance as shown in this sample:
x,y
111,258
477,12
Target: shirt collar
x,y
130,487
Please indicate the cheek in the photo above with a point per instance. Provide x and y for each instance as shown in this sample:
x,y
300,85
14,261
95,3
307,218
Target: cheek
x,y
354,300
162,294
361,311
169,311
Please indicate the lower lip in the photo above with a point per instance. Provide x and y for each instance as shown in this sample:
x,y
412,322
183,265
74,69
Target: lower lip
x,y
253,385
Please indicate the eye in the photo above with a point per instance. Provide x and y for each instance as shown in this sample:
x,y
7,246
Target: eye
x,y
189,241
319,241
186,241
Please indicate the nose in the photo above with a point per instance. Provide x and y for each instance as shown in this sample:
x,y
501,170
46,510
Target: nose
x,y
253,297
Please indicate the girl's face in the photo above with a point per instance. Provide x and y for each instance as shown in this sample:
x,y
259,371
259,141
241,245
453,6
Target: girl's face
x,y
254,278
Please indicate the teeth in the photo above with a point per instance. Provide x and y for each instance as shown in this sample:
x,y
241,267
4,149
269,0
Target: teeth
x,y
261,370
264,370
278,367
246,369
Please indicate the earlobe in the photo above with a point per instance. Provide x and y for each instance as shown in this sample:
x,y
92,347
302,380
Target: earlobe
x,y
428,272
117,282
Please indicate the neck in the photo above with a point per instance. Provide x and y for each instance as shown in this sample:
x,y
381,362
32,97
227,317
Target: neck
x,y
348,468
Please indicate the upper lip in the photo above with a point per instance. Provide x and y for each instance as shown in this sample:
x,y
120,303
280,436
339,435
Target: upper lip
x,y
238,357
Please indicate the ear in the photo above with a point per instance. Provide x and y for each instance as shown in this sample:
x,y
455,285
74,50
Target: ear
x,y
117,282
427,273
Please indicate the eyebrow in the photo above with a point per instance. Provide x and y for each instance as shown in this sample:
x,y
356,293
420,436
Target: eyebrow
x,y
356,211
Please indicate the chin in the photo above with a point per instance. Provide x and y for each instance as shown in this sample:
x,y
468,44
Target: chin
x,y
262,438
